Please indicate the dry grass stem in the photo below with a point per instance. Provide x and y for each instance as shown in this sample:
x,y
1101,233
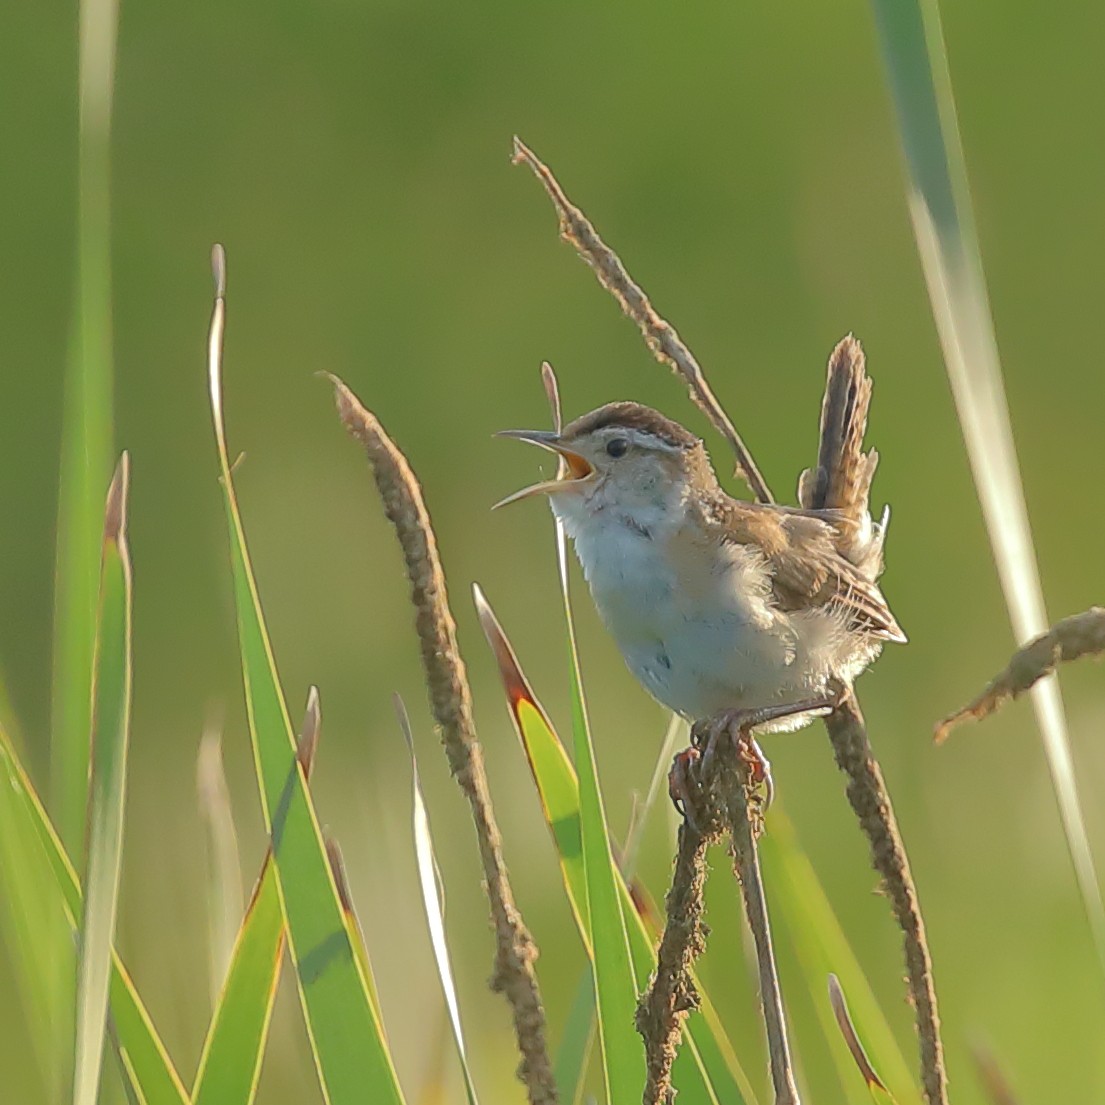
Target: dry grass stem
x,y
871,802
1079,635
452,707
671,994
722,802
744,824
659,335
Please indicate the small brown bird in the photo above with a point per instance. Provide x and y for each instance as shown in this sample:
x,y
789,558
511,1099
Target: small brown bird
x,y
719,605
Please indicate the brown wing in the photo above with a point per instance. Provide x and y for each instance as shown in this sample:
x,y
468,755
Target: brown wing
x,y
807,569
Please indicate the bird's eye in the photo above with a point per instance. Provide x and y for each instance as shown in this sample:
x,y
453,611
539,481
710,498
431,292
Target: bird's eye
x,y
617,446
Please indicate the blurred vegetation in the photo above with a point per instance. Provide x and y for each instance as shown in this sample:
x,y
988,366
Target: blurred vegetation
x,y
354,159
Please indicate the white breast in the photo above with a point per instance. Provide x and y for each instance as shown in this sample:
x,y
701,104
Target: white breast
x,y
699,645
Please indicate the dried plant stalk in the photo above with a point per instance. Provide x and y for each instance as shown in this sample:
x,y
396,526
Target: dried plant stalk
x,y
659,335
1079,635
671,994
721,802
451,701
871,802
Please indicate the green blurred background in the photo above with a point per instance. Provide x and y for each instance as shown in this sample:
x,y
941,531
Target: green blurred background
x,y
353,157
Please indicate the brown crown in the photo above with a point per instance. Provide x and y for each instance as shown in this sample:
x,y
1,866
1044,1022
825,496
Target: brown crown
x,y
631,416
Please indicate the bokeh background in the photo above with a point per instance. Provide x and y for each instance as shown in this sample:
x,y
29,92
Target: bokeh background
x,y
741,157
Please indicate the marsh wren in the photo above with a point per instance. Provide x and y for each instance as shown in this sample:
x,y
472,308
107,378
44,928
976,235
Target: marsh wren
x,y
722,606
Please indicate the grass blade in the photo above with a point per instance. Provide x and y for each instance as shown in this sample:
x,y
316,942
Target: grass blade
x,y
576,1044
912,45
615,985
33,926
225,906
86,428
433,901
230,1063
822,948
875,1085
107,791
351,1055
153,1077
706,1070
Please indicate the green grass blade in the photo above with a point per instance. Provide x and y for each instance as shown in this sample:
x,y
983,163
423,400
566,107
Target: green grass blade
x,y
577,1042
155,1079
615,986
34,927
225,905
912,45
823,949
107,792
706,1071
230,1064
351,1056
86,429
433,901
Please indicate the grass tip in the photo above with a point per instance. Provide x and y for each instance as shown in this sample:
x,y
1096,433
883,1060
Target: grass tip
x,y
309,731
851,1037
115,511
218,269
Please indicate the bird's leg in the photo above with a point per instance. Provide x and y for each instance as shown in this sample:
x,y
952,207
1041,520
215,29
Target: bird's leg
x,y
695,764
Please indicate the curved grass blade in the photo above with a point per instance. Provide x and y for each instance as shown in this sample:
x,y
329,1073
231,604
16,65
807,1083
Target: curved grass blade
x,y
351,1056
822,948
107,791
34,927
155,1080
230,1063
875,1085
433,901
912,46
86,428
706,1071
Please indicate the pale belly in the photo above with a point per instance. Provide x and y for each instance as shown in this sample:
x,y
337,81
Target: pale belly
x,y
702,641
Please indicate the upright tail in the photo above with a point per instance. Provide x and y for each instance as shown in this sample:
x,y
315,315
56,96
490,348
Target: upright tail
x,y
841,481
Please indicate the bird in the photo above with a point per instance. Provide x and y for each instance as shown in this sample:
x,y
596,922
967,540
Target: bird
x,y
725,608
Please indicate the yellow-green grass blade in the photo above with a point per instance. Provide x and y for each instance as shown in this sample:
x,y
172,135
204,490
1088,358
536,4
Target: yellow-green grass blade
x,y
615,985
823,949
86,439
351,1057
577,1041
33,927
912,45
433,901
107,792
706,1071
155,1080
353,924
230,1063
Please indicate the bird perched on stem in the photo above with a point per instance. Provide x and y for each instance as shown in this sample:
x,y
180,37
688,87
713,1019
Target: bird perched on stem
x,y
724,607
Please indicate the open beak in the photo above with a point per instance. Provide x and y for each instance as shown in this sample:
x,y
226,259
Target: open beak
x,y
572,470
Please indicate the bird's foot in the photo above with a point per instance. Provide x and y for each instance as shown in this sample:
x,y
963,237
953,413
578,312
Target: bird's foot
x,y
693,766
